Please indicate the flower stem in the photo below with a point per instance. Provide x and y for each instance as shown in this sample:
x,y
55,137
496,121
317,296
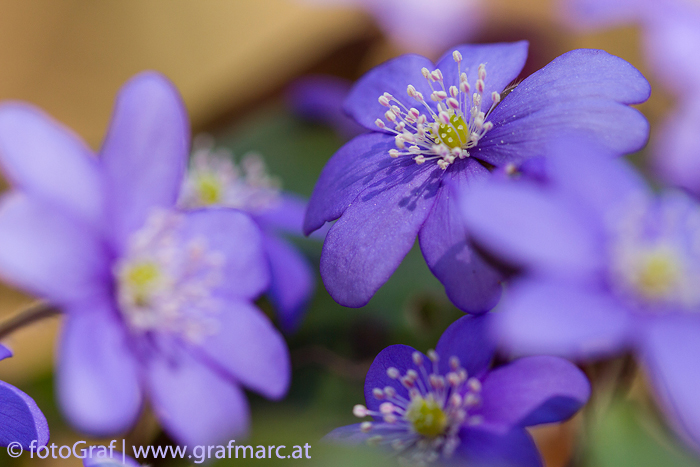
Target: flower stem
x,y
31,314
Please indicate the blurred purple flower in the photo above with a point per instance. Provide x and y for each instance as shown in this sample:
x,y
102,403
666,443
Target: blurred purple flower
x,y
388,186
609,267
21,421
671,34
450,404
157,302
320,99
215,180
419,26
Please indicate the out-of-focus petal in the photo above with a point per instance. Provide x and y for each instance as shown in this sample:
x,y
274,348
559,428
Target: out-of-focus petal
x,y
366,245
286,214
532,391
320,99
194,403
470,282
677,147
443,24
249,348
145,152
98,381
585,90
587,174
293,282
671,40
524,224
234,235
45,252
601,13
669,349
49,162
540,317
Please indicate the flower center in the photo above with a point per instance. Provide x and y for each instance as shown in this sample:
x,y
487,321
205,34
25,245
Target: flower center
x,y
424,426
165,283
447,133
427,416
657,274
214,179
656,256
141,279
209,187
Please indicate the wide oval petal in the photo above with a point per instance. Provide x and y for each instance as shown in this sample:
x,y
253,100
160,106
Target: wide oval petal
x,y
98,377
145,152
568,320
528,225
35,149
195,404
532,391
503,61
482,448
249,348
668,348
468,339
366,245
237,238
470,282
394,356
21,421
393,77
49,254
585,91
359,164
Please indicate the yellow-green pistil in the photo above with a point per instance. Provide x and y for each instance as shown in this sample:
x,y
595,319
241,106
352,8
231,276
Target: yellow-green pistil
x,y
449,137
427,416
210,189
140,280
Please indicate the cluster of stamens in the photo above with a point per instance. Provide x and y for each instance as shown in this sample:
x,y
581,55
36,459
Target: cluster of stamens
x,y
446,134
165,283
215,179
656,266
425,426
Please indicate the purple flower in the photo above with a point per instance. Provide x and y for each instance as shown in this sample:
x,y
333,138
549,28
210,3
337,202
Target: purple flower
x,y
609,267
450,404
419,26
388,186
158,303
21,421
319,99
215,180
